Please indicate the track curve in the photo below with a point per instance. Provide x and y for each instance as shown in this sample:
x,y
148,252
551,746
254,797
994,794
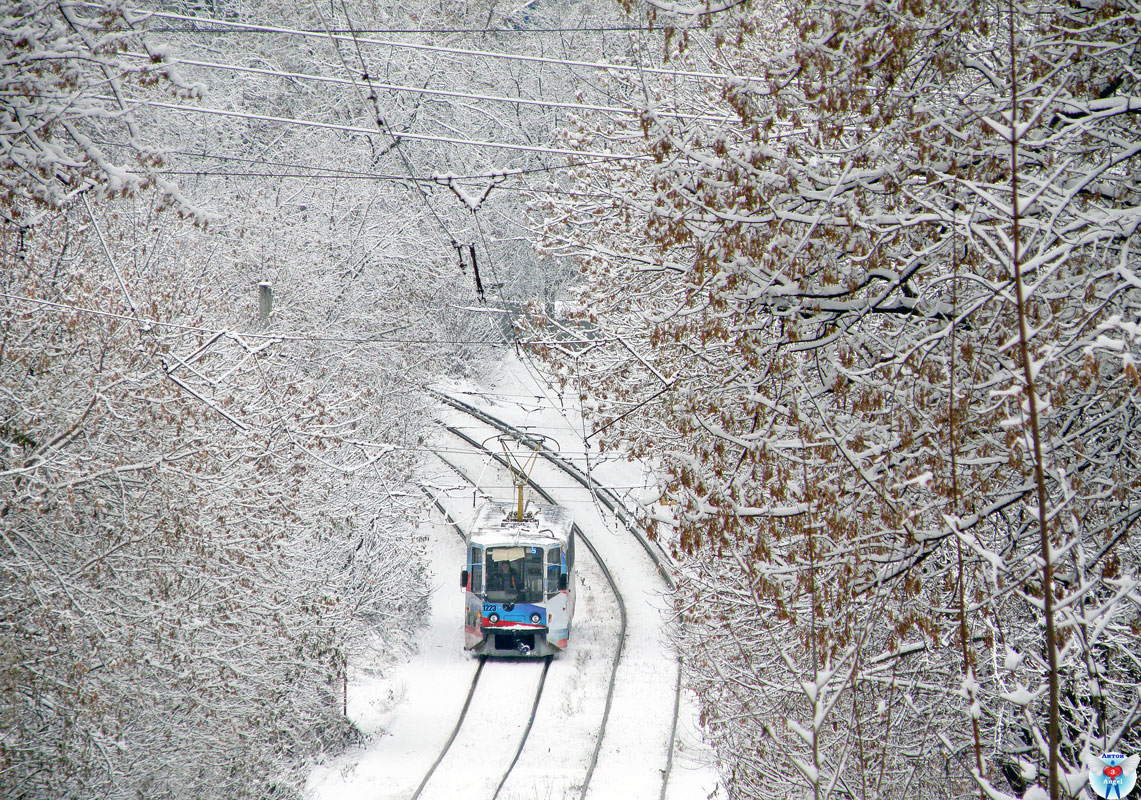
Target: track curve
x,y
599,722
663,566
619,601
483,662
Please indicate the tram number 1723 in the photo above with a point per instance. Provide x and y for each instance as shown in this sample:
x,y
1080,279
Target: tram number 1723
x,y
517,580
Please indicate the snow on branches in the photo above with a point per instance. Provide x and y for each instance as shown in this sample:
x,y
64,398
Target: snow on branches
x,y
881,346
62,105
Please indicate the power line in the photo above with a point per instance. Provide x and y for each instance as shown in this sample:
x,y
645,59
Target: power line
x,y
370,131
335,171
364,176
420,31
317,172
395,87
381,338
601,65
378,117
149,322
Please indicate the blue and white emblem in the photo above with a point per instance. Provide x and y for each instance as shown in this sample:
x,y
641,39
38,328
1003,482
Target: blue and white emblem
x,y
1113,775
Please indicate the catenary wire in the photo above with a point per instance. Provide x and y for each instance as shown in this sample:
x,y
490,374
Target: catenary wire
x,y
600,65
423,31
380,120
318,177
396,87
369,131
348,173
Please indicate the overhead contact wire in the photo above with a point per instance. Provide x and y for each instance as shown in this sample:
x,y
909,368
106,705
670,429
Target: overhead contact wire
x,y
757,79
395,87
384,132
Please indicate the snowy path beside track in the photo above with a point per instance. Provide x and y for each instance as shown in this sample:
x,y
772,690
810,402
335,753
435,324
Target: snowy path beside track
x,y
410,712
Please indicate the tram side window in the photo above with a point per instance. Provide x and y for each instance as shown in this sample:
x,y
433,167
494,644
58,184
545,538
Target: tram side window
x,y
476,569
533,574
554,558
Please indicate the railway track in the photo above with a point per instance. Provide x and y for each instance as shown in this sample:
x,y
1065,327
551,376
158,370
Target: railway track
x,y
596,722
582,785
620,603
512,692
661,563
501,705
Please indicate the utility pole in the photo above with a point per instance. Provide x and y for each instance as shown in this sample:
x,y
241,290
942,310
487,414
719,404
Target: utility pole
x,y
265,301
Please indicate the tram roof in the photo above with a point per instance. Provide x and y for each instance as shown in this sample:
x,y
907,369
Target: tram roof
x,y
543,523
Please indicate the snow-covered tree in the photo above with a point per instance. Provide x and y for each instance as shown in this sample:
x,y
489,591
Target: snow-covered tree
x,y
884,349
201,511
202,501
62,89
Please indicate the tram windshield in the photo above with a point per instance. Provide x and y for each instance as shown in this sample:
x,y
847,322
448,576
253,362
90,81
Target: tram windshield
x,y
514,575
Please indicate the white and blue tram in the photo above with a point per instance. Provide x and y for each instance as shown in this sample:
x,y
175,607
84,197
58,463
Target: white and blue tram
x,y
517,581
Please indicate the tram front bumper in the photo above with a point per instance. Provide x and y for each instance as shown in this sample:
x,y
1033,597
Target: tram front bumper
x,y
522,640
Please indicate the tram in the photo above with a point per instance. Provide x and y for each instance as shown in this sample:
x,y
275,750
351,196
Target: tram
x,y
517,580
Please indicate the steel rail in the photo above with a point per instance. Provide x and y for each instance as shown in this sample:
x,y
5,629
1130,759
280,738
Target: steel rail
x,y
619,600
439,506
455,731
475,679
614,504
527,730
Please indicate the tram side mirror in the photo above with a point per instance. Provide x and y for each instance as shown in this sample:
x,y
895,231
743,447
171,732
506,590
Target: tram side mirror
x,y
463,578
562,582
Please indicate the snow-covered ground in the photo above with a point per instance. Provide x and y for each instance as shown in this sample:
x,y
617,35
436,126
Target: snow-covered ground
x,y
409,711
